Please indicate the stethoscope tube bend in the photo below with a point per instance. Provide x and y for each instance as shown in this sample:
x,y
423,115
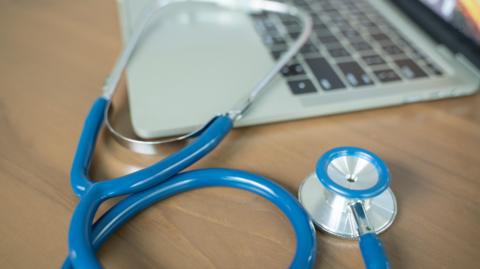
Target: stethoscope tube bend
x,y
113,219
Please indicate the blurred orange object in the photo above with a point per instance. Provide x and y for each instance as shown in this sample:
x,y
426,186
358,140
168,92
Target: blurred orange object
x,y
471,10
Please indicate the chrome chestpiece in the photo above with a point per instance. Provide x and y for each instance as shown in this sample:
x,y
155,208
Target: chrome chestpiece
x,y
349,193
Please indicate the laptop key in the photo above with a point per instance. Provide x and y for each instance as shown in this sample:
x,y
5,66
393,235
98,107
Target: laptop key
x,y
380,37
324,73
392,50
344,26
367,23
301,86
355,75
273,41
373,59
386,75
335,14
286,18
328,39
277,53
291,23
361,46
338,52
323,32
359,16
263,23
320,27
351,34
373,29
309,48
293,70
337,18
410,69
294,35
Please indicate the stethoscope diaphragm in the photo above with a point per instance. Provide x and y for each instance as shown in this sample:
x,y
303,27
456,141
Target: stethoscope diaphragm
x,y
344,176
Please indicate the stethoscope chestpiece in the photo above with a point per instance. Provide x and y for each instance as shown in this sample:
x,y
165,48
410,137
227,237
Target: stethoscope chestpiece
x,y
344,177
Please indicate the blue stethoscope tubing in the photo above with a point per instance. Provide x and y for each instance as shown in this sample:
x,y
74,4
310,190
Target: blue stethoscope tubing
x,y
160,181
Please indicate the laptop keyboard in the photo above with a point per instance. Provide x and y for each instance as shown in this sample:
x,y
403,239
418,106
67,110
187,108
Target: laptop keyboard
x,y
352,46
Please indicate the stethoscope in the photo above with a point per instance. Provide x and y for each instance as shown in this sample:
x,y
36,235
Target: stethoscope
x,y
164,178
348,196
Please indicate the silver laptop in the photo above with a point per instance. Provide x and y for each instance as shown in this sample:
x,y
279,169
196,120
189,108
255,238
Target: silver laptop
x,y
198,61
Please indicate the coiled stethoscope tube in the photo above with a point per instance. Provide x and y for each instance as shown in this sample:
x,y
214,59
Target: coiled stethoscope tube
x,y
162,179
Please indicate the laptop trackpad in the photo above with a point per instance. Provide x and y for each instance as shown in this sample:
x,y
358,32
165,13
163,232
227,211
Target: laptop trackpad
x,y
194,62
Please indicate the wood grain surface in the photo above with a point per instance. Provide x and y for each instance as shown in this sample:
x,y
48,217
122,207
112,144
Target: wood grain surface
x,y
53,58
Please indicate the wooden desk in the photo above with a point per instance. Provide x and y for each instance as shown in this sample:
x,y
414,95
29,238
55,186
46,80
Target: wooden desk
x,y
53,58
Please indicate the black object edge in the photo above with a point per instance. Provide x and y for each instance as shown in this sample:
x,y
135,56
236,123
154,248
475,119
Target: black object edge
x,y
440,30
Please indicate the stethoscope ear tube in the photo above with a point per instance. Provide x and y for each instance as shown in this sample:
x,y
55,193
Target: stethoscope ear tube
x,y
240,108
86,145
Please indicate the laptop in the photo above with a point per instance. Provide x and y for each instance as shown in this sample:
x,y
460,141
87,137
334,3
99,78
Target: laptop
x,y
199,60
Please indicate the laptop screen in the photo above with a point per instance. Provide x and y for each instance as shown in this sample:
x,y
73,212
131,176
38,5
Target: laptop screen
x,y
464,15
